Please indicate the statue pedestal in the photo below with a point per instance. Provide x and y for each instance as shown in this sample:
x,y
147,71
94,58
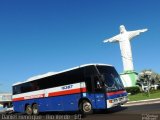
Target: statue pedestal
x,y
129,78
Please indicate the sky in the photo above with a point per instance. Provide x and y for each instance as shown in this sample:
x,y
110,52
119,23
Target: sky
x,y
40,36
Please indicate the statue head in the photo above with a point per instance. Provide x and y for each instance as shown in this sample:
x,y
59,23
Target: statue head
x,y
122,29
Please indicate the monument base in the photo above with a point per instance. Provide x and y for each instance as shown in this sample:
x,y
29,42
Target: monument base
x,y
129,78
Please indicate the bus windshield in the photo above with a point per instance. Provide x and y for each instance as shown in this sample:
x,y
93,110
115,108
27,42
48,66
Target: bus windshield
x,y
111,78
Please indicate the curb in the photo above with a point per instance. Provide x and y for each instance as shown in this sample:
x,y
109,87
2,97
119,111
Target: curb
x,y
143,102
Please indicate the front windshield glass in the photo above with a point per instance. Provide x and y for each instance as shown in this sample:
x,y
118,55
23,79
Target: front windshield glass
x,y
111,78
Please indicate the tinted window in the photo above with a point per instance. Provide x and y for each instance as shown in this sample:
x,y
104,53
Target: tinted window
x,y
111,77
25,87
16,89
73,76
90,70
89,84
98,86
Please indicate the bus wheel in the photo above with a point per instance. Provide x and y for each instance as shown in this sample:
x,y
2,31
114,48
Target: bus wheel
x,y
35,109
29,110
86,107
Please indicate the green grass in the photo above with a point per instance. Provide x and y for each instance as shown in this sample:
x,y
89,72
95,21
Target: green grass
x,y
144,96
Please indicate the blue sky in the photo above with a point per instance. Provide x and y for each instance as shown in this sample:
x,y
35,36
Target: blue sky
x,y
51,35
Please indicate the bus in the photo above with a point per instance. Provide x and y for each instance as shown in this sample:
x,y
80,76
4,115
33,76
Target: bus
x,y
84,88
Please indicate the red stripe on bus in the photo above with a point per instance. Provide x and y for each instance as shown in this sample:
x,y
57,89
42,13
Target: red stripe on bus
x,y
28,97
18,99
116,92
83,90
52,94
73,91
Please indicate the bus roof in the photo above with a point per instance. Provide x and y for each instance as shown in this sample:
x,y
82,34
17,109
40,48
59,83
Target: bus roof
x,y
54,73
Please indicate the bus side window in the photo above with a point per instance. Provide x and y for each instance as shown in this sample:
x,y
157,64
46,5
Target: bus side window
x,y
89,84
34,86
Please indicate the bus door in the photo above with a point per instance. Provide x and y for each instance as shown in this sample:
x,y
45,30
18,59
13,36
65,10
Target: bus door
x,y
99,92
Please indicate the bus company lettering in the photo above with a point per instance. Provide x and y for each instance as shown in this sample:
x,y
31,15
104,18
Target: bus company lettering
x,y
67,87
34,96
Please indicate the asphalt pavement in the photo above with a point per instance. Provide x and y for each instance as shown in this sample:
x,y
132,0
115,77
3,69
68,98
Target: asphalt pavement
x,y
138,112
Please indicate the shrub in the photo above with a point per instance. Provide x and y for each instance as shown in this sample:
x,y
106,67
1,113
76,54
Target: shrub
x,y
158,88
133,90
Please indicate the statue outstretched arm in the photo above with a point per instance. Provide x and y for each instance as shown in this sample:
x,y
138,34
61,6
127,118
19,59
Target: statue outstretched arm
x,y
132,34
113,39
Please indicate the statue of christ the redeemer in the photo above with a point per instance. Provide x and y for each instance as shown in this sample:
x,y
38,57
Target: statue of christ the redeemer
x,y
124,41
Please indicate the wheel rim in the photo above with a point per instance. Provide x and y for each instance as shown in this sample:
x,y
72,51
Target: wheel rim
x,y
35,109
87,107
29,110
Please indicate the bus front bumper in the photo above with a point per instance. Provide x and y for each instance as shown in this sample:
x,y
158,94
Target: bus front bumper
x,y
116,101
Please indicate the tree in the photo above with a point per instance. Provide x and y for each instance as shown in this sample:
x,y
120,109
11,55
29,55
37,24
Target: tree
x,y
147,79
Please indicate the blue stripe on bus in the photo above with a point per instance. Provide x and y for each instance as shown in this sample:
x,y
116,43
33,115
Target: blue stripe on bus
x,y
54,103
70,102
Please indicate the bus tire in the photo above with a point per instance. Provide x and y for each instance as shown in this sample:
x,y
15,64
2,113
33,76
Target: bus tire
x,y
35,109
28,110
86,107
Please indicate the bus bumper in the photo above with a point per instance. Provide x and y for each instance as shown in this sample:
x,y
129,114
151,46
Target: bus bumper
x,y
116,101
